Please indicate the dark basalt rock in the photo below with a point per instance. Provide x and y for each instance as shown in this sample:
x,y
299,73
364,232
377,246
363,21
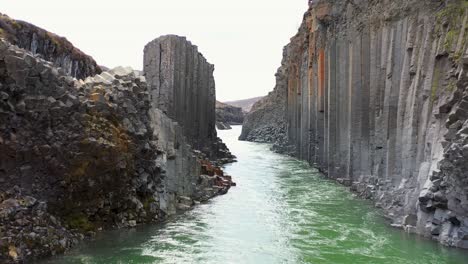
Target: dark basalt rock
x,y
182,86
79,156
374,93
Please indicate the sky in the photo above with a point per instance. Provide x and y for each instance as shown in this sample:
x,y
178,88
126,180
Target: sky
x,y
244,39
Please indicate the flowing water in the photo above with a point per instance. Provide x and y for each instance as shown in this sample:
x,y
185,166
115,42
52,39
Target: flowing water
x,y
282,211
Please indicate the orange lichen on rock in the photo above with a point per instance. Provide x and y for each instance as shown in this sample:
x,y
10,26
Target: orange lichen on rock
x,y
221,180
321,77
106,146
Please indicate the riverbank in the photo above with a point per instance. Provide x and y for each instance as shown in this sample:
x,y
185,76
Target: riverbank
x,y
282,211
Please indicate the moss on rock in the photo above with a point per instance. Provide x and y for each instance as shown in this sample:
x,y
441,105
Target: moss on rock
x,y
80,222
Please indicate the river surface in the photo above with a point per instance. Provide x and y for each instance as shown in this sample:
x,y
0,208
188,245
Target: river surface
x,y
282,211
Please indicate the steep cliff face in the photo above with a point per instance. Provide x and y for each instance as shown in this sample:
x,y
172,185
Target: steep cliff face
x,y
79,156
51,47
183,87
373,93
227,115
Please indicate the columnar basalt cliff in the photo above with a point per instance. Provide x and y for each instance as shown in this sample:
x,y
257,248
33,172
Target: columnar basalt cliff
x,y
51,47
78,156
374,93
183,87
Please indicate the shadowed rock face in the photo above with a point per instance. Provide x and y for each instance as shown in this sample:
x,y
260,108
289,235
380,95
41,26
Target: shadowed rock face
x,y
373,93
227,115
51,47
182,86
82,149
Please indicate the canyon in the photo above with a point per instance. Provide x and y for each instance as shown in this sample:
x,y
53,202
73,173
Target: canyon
x,y
370,94
374,94
83,150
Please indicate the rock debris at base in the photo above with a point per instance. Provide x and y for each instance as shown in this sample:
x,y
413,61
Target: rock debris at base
x,y
80,156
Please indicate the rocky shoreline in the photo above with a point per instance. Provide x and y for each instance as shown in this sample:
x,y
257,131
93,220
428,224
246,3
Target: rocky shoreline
x,y
28,231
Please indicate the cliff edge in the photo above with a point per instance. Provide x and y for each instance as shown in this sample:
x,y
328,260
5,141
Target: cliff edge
x,y
49,46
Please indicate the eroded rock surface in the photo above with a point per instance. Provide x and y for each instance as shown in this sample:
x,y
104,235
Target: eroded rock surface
x,y
79,156
373,94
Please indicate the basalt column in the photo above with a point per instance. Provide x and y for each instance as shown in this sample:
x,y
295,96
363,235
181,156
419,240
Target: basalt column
x,y
376,97
183,87
377,104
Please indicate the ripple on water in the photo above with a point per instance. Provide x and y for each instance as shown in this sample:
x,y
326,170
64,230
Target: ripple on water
x,y
282,211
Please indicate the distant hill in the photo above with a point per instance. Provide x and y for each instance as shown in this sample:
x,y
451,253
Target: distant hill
x,y
245,104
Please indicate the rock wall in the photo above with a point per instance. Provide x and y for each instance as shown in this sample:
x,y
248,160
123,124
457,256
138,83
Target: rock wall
x,y
50,46
227,115
183,87
186,176
374,95
80,156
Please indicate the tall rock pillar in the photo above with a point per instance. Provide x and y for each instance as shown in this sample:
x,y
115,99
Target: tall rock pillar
x,y
183,87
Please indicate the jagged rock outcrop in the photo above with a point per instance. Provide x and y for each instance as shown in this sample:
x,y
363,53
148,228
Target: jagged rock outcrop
x,y
183,87
374,94
227,115
80,156
50,46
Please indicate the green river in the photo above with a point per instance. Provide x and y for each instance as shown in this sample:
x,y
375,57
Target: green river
x,y
282,211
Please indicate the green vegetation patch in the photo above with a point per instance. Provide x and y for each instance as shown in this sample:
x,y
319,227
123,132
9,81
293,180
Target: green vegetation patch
x,y
452,12
80,222
449,23
55,40
450,38
452,85
147,202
